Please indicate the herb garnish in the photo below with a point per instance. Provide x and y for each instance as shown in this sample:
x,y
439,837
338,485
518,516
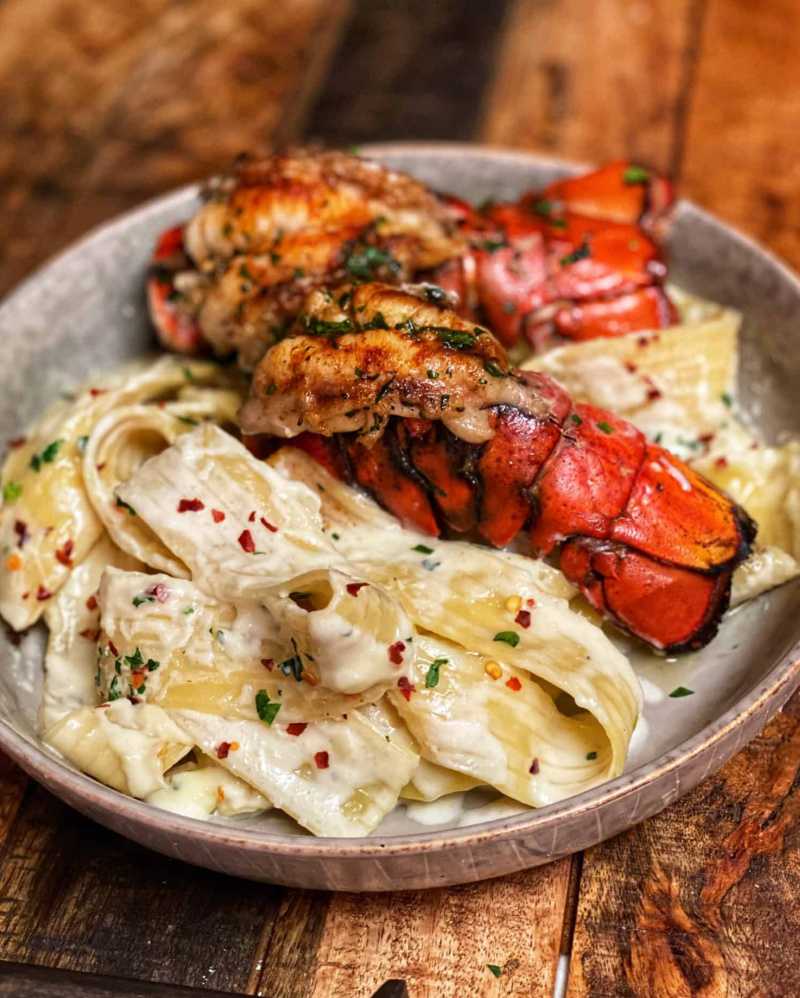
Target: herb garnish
x,y
509,637
493,369
605,427
432,675
11,491
124,505
581,253
681,691
636,175
422,548
265,709
47,456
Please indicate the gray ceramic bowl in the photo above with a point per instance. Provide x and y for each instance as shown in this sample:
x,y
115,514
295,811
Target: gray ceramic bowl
x,y
85,312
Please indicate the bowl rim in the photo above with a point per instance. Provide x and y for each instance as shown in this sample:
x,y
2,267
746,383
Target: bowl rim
x,y
772,692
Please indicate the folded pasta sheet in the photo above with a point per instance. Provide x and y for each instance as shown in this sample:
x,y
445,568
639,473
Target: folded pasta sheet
x,y
202,789
128,746
334,777
73,618
511,611
165,641
49,522
238,525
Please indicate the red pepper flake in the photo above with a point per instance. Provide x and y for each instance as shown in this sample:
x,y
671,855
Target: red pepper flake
x,y
406,688
25,595
94,392
721,462
217,515
514,684
190,506
222,750
321,759
101,466
113,649
653,394
64,554
268,663
21,530
43,594
133,700
523,618
534,770
89,634
91,603
396,652
530,601
268,525
161,592
161,404
296,728
102,706
706,438
246,541
632,368
252,517
16,442
353,587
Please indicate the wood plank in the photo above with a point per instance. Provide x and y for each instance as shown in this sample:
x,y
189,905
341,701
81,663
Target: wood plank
x,y
439,941
740,155
593,81
411,70
76,896
107,104
702,900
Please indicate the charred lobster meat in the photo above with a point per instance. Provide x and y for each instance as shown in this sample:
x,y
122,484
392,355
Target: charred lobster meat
x,y
395,392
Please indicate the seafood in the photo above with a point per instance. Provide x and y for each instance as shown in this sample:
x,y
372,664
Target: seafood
x,y
392,390
578,260
275,229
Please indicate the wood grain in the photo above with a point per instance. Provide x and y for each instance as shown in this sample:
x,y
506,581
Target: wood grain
x,y
701,901
741,149
594,81
414,69
107,104
439,941
74,895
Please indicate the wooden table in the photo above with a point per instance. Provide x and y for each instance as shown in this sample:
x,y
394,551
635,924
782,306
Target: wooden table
x,y
105,104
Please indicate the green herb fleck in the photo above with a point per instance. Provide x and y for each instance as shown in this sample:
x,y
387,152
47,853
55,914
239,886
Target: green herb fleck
x,y
433,375
605,427
138,600
422,548
384,389
636,175
11,491
509,307
265,709
335,536
135,659
47,456
114,692
493,245
188,610
292,667
726,398
454,338
658,437
189,420
81,443
581,253
188,374
509,637
494,370
681,691
576,419
591,755
124,505
298,596
494,969
432,675
245,273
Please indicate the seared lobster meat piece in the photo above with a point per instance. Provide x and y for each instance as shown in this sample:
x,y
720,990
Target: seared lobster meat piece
x,y
395,392
577,260
274,229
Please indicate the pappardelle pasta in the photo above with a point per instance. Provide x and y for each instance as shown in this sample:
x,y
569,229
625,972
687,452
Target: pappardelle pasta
x,y
230,634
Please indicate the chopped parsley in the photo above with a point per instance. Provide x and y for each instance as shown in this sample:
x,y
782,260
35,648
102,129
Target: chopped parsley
x,y
493,369
492,245
189,420
245,273
143,598
494,969
636,175
188,610
581,253
726,398
188,374
135,659
114,692
576,419
377,322
454,337
124,505
605,427
11,491
384,389
81,443
47,456
363,260
321,327
433,375
681,691
292,667
432,675
422,548
590,756
509,637
265,708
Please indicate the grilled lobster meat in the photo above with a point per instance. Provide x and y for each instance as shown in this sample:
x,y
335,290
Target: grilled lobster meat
x,y
276,228
395,392
578,260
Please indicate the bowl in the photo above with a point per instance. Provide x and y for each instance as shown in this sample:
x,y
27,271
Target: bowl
x,y
84,312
